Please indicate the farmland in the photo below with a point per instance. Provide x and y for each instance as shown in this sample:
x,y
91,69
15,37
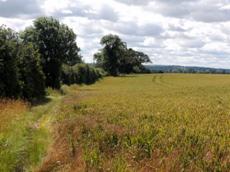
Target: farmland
x,y
155,122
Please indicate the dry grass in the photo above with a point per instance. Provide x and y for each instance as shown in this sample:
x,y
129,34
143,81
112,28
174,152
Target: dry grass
x,y
11,110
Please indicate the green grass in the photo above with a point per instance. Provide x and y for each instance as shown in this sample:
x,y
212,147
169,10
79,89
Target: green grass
x,y
23,143
158,122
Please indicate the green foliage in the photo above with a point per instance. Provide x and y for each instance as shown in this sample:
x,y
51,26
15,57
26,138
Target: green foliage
x,y
57,45
113,51
111,54
69,47
132,62
20,68
9,82
35,60
116,58
80,74
31,75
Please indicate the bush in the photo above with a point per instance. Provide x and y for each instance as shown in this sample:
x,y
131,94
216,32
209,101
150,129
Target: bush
x,y
80,74
20,68
9,82
32,77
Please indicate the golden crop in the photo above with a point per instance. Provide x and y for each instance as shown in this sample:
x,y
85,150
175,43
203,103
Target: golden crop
x,y
160,122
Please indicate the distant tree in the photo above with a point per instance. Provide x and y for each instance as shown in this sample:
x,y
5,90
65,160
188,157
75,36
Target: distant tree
x,y
9,82
32,78
113,50
99,57
56,44
115,58
132,61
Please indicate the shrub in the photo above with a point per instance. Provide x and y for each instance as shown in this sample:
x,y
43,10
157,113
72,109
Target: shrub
x,y
20,68
32,78
80,74
9,82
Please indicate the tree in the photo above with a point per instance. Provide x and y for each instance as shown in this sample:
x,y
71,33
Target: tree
x,y
56,44
99,57
111,54
69,47
115,58
20,69
133,60
9,82
31,75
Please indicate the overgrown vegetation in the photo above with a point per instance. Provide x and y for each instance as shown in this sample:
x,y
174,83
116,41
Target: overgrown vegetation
x,y
25,132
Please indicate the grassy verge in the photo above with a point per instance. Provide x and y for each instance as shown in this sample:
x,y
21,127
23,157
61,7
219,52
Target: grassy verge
x,y
24,134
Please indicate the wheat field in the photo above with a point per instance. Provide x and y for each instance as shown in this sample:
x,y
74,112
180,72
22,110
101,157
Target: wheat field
x,y
155,122
161,122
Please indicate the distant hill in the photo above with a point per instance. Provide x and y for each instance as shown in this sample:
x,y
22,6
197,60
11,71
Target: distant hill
x,y
185,69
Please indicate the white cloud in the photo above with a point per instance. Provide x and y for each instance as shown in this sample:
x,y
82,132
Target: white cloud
x,y
183,32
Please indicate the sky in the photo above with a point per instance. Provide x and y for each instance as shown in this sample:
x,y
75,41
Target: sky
x,y
171,32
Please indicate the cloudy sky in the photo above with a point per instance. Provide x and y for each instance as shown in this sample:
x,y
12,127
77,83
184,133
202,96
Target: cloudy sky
x,y
175,32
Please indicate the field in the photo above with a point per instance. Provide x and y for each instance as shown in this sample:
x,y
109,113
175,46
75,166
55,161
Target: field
x,y
159,122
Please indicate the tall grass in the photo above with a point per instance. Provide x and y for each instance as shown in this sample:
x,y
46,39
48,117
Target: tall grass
x,y
10,110
168,122
23,137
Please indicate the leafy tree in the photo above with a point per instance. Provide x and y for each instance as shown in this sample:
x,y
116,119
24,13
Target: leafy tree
x,y
115,58
132,61
69,48
31,75
9,82
20,69
111,54
99,57
57,45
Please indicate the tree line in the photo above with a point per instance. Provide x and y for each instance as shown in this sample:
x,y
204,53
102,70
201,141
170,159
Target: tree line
x,y
46,54
33,59
185,69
